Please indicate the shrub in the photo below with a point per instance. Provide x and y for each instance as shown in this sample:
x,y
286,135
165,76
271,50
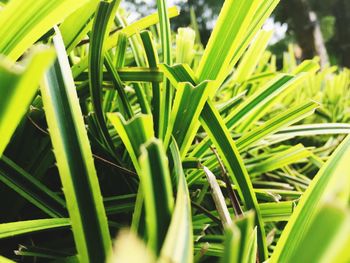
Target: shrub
x,y
217,157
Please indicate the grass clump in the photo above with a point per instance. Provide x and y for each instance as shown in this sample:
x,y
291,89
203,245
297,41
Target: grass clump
x,y
192,154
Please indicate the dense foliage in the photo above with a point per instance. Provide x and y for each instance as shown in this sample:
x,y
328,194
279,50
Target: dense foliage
x,y
189,154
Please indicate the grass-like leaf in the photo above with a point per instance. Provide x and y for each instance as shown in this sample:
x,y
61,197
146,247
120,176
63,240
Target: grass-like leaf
x,y
77,25
179,248
22,227
31,188
74,160
218,133
330,181
167,90
292,155
129,30
97,50
133,133
152,59
17,89
188,104
6,260
227,38
22,22
284,119
324,238
156,185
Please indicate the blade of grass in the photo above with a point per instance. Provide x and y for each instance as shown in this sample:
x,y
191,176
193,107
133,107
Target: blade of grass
x,y
103,20
22,22
218,198
218,133
284,119
179,248
232,240
74,159
12,229
133,133
331,180
17,89
247,252
31,188
130,30
188,104
156,185
118,84
77,25
6,260
140,59
293,155
315,129
166,90
325,236
152,59
262,13
252,57
225,39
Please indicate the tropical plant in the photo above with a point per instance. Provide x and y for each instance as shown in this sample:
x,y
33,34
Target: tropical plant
x,y
202,154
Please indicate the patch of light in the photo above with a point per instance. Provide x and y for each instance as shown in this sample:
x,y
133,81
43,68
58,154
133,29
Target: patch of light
x,y
279,30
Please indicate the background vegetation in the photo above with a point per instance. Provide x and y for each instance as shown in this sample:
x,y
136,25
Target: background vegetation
x,y
331,18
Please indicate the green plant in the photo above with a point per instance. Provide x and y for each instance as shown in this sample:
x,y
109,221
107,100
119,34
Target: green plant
x,y
205,159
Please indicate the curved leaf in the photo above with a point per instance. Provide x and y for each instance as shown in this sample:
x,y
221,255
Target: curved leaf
x,y
332,180
22,22
17,89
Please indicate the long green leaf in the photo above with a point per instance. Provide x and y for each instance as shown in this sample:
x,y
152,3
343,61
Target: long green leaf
x,y
315,129
129,30
252,57
31,188
22,22
218,133
167,90
6,260
247,251
156,184
97,50
284,119
179,248
74,160
126,107
133,133
76,26
188,104
332,180
17,89
324,239
263,12
22,227
278,160
232,239
152,59
225,38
